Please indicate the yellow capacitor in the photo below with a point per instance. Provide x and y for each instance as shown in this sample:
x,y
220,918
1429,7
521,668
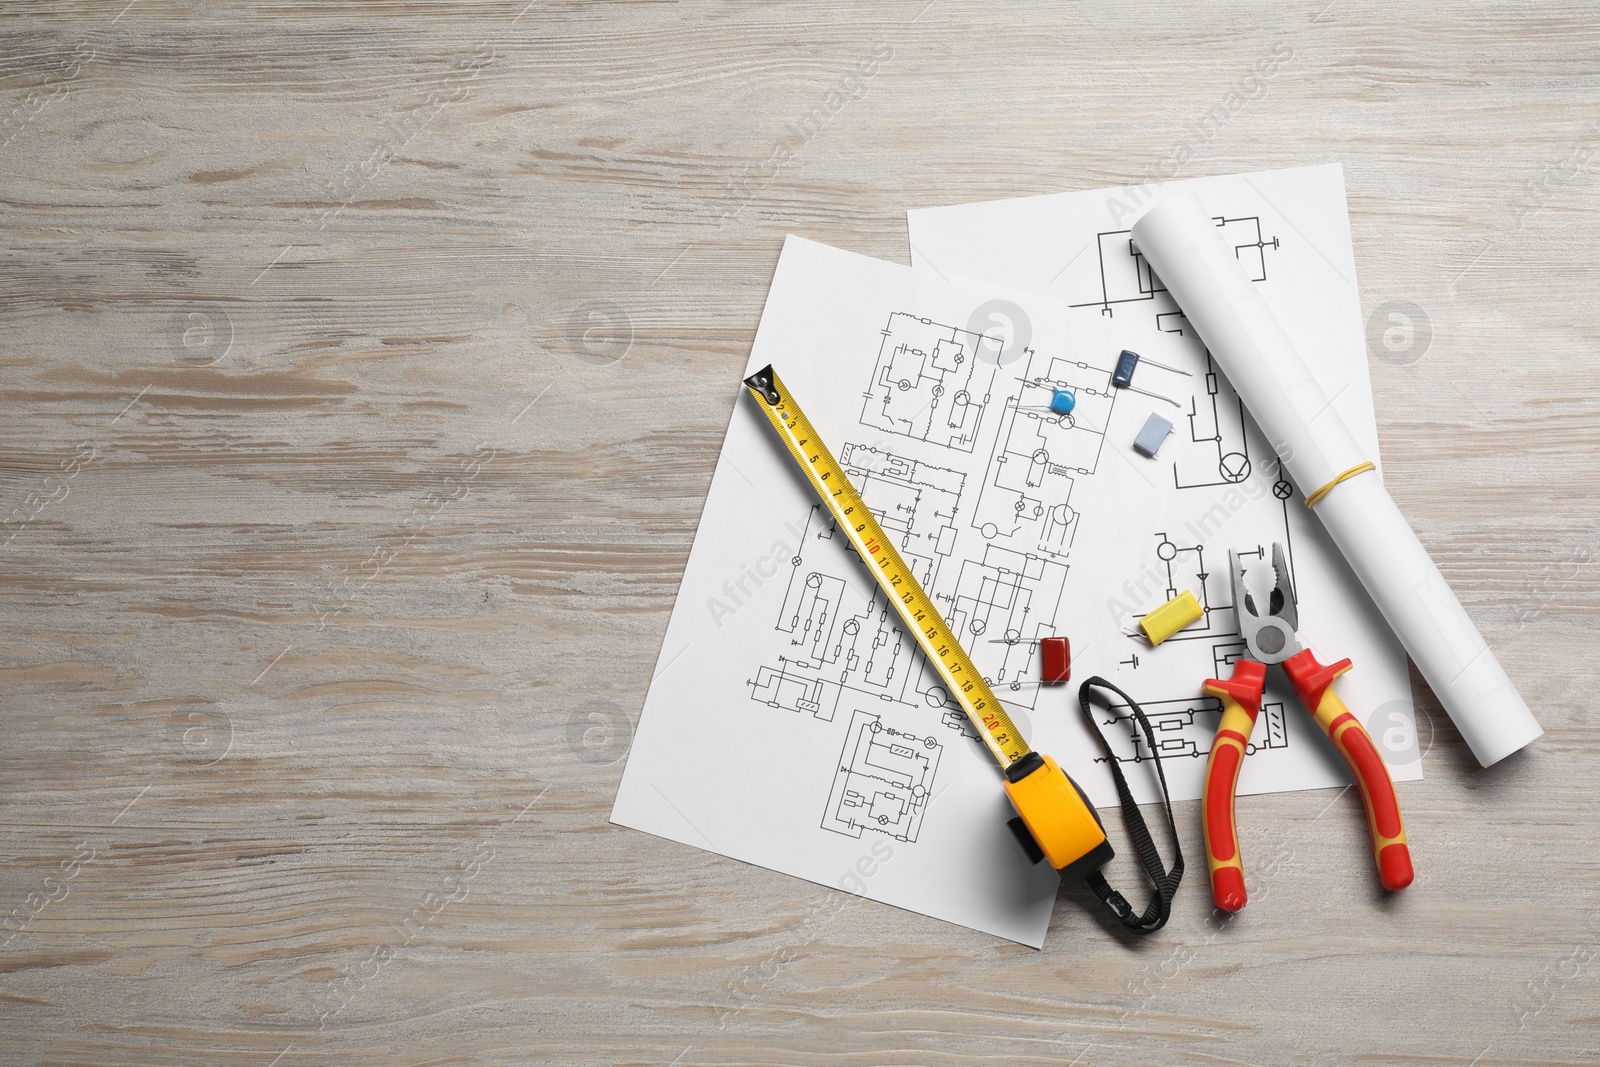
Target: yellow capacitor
x,y
1171,617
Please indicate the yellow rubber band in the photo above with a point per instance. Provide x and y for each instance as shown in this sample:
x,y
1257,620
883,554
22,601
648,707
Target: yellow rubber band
x,y
1359,468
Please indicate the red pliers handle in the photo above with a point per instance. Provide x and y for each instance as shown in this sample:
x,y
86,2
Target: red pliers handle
x,y
1241,703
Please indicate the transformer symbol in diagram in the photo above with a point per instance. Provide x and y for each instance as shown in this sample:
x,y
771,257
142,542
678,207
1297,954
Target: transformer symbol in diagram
x,y
928,383
884,780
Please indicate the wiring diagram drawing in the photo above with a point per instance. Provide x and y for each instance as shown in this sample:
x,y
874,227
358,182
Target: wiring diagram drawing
x,y
883,782
929,383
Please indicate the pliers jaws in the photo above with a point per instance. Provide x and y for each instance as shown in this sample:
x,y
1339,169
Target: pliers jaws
x,y
1270,637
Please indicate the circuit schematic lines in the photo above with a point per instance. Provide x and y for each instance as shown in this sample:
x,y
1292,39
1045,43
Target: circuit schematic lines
x,y
883,782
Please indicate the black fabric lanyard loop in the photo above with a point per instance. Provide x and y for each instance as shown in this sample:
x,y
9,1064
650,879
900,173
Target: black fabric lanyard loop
x,y
1164,880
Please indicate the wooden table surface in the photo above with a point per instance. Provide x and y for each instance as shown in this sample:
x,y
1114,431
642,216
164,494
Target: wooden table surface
x,y
365,366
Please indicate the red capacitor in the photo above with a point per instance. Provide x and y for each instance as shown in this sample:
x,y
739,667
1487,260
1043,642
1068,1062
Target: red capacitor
x,y
1055,660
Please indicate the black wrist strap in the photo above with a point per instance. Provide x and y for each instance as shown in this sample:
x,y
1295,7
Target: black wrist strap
x,y
1165,881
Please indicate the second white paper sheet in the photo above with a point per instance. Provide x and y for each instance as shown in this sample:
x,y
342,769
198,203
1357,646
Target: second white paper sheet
x,y
1290,229
792,725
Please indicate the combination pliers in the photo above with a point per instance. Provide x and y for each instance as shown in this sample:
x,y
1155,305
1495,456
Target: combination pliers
x,y
1270,638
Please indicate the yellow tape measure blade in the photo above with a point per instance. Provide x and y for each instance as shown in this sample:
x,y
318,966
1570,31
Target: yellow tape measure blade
x,y
1050,804
915,608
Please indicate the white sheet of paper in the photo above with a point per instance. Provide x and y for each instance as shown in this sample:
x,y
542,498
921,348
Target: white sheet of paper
x,y
1291,229
790,723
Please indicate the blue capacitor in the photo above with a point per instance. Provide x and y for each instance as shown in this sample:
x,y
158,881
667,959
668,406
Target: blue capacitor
x,y
1063,402
1123,375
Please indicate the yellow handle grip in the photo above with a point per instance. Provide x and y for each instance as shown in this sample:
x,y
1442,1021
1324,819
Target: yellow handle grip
x,y
1241,703
1313,684
1389,847
1222,780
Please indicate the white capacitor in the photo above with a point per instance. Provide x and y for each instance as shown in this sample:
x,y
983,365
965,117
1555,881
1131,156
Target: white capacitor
x,y
1182,244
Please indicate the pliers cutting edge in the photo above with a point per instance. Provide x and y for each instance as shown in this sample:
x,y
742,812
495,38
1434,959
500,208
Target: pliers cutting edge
x,y
1270,638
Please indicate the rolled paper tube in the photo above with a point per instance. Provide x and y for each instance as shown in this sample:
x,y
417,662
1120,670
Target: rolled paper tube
x,y
1183,245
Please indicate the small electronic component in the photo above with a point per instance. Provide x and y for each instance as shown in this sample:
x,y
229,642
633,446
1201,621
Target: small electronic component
x,y
1055,660
1061,403
1155,431
1122,376
1055,657
1171,617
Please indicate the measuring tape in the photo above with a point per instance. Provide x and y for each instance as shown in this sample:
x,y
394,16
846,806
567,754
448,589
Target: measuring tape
x,y
1053,809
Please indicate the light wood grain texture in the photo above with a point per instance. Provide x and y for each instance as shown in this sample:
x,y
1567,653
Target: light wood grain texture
x,y
284,667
